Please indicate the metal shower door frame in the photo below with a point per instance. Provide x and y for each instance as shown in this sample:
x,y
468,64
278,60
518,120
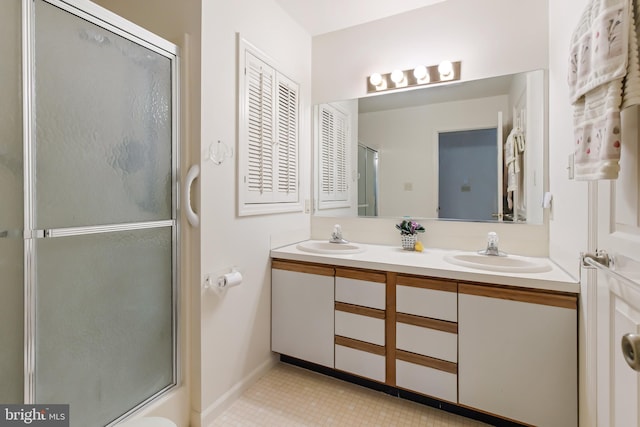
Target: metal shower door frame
x,y
111,22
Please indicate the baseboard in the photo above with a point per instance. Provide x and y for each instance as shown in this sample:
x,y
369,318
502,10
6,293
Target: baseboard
x,y
209,414
405,394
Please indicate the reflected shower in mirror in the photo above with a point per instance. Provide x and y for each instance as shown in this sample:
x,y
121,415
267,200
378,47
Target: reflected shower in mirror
x,y
367,181
419,169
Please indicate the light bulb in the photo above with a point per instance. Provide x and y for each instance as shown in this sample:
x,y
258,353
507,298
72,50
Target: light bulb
x,y
397,76
445,69
375,79
420,73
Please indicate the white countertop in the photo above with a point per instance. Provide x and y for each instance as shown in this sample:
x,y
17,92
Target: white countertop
x,y
431,263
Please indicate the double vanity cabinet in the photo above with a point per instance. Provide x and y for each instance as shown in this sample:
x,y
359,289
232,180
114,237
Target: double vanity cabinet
x,y
506,351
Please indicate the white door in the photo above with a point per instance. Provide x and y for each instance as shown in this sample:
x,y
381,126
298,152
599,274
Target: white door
x,y
617,302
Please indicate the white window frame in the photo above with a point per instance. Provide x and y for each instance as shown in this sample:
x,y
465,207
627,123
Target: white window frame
x,y
281,191
338,195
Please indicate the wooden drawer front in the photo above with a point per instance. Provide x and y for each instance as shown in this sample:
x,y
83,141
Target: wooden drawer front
x,y
425,380
359,327
428,342
360,363
360,292
432,303
302,267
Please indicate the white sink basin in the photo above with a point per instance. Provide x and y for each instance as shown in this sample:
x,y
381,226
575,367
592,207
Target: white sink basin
x,y
509,263
322,247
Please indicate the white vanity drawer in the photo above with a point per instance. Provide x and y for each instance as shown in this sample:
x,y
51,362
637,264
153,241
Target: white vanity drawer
x,y
358,327
360,363
366,293
426,380
438,302
428,342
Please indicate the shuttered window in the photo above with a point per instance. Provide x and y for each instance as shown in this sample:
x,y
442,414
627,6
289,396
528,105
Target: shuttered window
x,y
260,122
333,156
269,136
287,137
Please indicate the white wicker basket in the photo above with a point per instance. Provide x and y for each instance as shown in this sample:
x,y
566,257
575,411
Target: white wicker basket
x,y
409,241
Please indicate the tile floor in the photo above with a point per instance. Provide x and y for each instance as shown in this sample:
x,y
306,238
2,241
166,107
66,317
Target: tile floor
x,y
291,396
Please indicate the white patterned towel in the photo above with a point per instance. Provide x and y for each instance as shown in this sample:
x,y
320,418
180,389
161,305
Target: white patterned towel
x,y
603,77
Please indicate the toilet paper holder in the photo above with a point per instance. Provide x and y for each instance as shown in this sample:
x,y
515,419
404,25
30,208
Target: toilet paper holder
x,y
223,279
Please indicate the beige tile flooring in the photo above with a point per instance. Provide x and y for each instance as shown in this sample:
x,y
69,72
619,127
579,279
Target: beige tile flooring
x,y
292,396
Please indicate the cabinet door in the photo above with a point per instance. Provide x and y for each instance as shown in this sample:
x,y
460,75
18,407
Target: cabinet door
x,y
517,358
302,324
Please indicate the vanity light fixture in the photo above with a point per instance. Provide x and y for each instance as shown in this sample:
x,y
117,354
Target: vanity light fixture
x,y
375,79
398,77
421,75
445,68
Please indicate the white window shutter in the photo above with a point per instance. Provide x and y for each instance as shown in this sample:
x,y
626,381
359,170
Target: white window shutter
x,y
341,158
268,143
287,139
334,157
326,148
259,123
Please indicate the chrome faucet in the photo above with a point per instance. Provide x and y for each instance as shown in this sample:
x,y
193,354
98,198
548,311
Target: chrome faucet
x,y
492,246
336,236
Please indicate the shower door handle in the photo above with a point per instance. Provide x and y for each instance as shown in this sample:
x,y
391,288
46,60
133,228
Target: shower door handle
x,y
192,216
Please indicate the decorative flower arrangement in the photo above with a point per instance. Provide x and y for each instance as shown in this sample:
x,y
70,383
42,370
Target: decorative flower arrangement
x,y
409,227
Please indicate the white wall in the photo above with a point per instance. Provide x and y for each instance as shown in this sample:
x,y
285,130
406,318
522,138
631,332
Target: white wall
x,y
407,143
536,169
235,327
490,38
568,218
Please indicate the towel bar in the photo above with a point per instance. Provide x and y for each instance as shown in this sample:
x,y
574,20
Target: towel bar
x,y
605,263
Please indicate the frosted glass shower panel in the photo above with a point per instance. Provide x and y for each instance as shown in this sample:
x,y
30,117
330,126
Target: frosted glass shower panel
x,y
11,206
103,125
11,172
105,334
11,321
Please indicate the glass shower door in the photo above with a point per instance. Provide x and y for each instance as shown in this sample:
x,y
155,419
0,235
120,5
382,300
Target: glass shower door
x,y
104,216
11,206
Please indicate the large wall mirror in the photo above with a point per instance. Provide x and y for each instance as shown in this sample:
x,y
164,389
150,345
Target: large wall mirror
x,y
471,150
